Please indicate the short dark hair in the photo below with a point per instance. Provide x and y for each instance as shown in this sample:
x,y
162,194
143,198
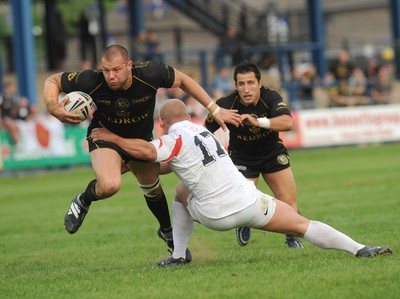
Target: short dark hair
x,y
246,67
112,51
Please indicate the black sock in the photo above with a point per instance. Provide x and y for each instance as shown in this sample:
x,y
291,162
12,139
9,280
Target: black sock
x,y
159,207
90,194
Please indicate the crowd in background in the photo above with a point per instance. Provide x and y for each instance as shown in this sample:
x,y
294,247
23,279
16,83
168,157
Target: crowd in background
x,y
347,83
14,108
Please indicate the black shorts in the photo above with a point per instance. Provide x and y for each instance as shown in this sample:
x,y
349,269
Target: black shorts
x,y
278,163
104,144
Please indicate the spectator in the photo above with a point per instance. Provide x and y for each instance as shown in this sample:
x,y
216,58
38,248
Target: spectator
x,y
25,110
8,111
370,69
153,46
89,29
342,68
139,46
230,51
358,85
305,76
382,91
348,93
222,81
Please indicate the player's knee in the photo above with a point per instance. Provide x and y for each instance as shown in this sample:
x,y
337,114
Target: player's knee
x,y
109,188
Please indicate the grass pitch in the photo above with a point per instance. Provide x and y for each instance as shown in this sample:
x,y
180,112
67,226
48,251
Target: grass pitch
x,y
114,254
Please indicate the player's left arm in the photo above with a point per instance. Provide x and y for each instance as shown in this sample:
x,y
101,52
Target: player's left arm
x,y
279,123
138,148
191,87
278,116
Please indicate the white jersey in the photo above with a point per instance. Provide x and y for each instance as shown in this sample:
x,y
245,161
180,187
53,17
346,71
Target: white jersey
x,y
203,165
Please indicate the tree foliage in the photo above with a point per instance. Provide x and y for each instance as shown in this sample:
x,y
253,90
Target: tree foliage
x,y
71,10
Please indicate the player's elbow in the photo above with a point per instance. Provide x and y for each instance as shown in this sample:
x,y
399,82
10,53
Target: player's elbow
x,y
288,124
147,154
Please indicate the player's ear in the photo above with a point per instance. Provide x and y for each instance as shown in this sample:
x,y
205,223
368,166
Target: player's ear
x,y
129,64
161,122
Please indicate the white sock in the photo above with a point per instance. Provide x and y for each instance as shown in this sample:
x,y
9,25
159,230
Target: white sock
x,y
182,227
325,236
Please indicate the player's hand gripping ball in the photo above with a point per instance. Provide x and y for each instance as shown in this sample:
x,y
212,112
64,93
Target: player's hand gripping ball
x,y
81,104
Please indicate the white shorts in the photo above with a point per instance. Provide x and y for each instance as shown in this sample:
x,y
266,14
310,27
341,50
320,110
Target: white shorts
x,y
255,216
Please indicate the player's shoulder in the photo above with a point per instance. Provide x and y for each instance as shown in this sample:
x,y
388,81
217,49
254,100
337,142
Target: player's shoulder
x,y
147,68
153,71
84,80
83,75
229,100
269,95
268,91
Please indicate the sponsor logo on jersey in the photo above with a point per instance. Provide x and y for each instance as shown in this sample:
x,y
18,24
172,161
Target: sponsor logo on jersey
x,y
141,100
255,136
126,120
104,102
72,76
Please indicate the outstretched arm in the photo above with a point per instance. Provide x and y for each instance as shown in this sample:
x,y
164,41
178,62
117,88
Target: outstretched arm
x,y
138,148
191,87
279,123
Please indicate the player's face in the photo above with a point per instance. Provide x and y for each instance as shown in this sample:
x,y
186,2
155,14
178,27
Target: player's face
x,y
117,73
249,88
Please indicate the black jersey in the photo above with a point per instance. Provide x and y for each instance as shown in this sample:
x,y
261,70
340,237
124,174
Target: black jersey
x,y
127,113
253,145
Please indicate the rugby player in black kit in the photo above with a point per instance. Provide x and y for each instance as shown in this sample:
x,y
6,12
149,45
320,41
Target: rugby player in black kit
x,y
125,96
256,148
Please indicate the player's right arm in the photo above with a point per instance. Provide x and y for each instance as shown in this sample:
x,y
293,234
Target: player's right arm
x,y
51,92
138,148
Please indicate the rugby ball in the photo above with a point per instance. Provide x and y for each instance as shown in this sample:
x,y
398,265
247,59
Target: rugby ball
x,y
81,104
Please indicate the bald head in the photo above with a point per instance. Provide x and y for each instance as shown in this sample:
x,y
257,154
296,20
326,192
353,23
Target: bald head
x,y
172,111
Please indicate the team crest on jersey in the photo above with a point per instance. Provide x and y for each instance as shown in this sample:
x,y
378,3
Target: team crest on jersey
x,y
122,105
283,159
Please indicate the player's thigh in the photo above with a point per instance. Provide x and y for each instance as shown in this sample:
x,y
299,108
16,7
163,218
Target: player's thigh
x,y
106,165
282,184
145,172
286,220
182,194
